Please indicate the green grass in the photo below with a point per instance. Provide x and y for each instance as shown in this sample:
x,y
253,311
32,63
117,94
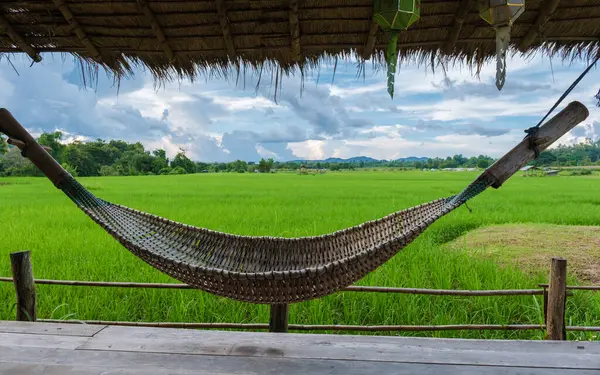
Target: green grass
x,y
65,244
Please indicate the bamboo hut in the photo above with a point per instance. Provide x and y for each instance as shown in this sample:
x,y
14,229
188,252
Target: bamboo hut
x,y
182,39
176,39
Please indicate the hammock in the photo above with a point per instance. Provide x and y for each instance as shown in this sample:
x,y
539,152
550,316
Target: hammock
x,y
268,269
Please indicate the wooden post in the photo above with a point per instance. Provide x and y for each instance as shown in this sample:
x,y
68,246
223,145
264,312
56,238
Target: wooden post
x,y
279,318
24,286
557,292
545,305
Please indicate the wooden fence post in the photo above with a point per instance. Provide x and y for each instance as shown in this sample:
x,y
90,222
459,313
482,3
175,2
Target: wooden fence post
x,y
545,304
24,286
557,292
279,318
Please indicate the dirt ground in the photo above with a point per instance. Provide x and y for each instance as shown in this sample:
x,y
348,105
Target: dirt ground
x,y
530,247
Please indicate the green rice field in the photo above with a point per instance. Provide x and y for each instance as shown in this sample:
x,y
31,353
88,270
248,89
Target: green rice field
x,y
67,245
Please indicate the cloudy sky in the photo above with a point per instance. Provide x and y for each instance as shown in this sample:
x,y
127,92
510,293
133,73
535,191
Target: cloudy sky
x,y
219,120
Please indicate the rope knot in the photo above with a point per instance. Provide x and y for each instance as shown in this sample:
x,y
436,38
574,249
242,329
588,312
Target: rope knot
x,y
532,135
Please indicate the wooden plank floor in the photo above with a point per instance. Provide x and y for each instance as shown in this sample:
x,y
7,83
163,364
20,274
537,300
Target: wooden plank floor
x,y
57,349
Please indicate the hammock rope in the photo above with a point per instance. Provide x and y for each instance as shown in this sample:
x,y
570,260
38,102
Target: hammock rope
x,y
261,269
534,130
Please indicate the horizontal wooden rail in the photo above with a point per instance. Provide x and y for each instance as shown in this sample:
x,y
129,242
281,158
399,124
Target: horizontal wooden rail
x,y
445,292
311,327
364,289
107,284
325,327
576,287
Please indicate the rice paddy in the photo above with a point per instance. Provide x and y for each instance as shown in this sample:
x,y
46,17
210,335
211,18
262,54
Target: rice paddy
x,y
67,245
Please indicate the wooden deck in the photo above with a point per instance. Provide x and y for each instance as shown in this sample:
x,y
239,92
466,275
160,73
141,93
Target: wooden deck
x,y
77,349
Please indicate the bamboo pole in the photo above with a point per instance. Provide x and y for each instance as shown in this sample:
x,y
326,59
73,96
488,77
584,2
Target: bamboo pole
x,y
24,286
353,288
555,321
309,327
590,288
573,114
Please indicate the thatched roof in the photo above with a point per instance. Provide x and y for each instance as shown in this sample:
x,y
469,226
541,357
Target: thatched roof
x,y
177,38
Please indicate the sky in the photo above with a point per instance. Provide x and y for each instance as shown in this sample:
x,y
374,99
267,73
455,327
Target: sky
x,y
432,114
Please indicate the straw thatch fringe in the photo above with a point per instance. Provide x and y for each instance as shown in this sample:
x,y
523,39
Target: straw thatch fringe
x,y
186,39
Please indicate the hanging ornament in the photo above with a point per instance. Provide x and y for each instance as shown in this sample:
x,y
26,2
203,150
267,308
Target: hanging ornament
x,y
394,16
501,14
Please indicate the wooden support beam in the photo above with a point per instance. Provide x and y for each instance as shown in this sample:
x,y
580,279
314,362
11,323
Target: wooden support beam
x,y
279,318
224,21
24,286
551,131
158,30
83,37
459,19
371,39
555,316
295,31
18,40
547,8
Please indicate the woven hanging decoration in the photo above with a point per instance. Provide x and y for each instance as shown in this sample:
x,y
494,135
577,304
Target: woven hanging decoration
x,y
394,16
501,14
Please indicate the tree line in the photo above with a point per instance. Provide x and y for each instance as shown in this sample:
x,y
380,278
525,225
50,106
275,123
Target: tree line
x,y
115,158
120,158
582,154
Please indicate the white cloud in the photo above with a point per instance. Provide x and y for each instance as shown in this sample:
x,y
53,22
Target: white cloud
x,y
311,149
233,103
217,121
479,108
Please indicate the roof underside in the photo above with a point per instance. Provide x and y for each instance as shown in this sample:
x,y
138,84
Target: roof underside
x,y
177,39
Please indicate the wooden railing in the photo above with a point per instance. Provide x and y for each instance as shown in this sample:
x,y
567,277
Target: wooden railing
x,y
554,294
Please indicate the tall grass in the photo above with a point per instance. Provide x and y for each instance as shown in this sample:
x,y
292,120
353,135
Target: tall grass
x,y
65,244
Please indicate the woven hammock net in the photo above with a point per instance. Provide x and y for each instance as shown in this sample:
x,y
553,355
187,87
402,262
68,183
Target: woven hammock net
x,y
264,269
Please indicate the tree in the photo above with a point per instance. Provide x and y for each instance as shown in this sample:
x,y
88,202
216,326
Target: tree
x,y
483,163
265,166
178,170
262,165
72,171
201,167
80,159
108,170
239,166
182,161
14,164
160,161
52,140
270,163
459,160
546,158
3,146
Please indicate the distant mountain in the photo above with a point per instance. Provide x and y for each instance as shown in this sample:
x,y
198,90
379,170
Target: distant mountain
x,y
412,159
355,159
364,159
